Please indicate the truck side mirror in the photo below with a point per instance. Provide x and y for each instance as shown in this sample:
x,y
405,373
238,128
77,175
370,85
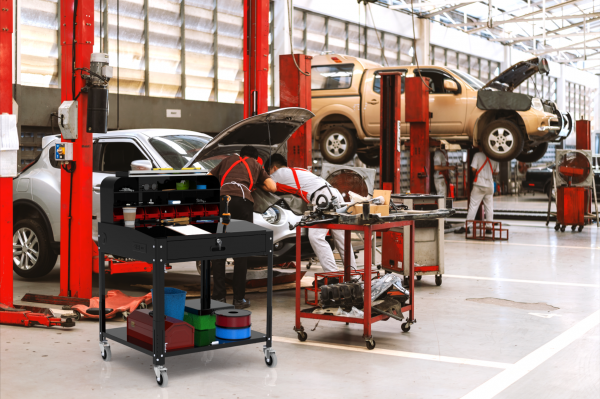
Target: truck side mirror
x,y
450,86
141,164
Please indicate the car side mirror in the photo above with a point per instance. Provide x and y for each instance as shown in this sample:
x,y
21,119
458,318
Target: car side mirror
x,y
450,85
141,164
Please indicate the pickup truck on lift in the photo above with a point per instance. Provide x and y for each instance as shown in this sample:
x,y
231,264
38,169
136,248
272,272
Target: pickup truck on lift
x,y
506,125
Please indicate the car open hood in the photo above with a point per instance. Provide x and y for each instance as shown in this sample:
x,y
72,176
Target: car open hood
x,y
518,73
254,131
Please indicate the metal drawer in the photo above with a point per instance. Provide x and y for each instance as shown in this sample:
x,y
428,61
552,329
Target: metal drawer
x,y
208,247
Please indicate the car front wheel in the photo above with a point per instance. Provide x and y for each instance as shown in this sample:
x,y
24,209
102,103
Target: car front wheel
x,y
33,255
502,140
338,145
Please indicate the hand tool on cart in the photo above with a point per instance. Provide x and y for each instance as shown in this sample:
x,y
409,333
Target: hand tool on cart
x,y
226,216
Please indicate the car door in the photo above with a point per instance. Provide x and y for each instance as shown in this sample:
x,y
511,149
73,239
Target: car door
x,y
112,155
371,100
449,109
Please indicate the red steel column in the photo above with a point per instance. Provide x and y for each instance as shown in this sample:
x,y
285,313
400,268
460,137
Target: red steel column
x,y
77,277
389,131
417,95
6,183
583,131
256,56
295,91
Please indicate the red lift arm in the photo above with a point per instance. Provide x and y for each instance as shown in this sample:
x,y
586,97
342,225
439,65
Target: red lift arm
x,y
418,117
6,183
295,91
389,131
256,56
76,253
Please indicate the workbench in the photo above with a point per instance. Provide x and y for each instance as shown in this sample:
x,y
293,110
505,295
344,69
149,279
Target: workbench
x,y
161,246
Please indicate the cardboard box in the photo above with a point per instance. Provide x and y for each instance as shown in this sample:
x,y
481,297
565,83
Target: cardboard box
x,y
384,210
386,194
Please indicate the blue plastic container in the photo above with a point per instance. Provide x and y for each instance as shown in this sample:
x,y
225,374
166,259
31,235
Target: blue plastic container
x,y
201,186
233,334
174,302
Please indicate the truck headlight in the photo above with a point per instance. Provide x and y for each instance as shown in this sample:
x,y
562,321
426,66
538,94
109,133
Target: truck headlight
x,y
272,215
536,104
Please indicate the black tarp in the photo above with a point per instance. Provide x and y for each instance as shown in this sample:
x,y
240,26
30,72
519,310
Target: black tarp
x,y
502,100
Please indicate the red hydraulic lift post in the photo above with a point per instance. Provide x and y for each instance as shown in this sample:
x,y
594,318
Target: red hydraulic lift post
x,y
583,130
256,56
389,131
295,91
76,244
417,114
6,183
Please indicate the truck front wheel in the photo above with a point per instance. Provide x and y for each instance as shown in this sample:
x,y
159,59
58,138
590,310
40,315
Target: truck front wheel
x,y
502,140
338,145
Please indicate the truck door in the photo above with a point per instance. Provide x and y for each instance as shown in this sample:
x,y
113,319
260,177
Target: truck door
x,y
371,100
448,109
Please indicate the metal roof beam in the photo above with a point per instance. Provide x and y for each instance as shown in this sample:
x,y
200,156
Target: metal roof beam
x,y
447,9
564,48
526,38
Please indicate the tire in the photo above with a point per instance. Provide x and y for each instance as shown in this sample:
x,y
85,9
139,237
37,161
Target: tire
x,y
31,232
405,327
338,145
502,140
534,154
369,159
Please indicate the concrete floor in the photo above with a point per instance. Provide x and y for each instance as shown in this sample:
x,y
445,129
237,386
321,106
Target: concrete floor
x,y
470,341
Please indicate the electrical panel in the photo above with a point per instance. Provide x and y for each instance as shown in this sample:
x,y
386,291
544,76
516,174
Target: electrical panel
x,y
64,152
67,119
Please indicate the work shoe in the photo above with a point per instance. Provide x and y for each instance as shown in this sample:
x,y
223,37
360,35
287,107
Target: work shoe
x,y
331,280
241,303
224,300
488,231
462,231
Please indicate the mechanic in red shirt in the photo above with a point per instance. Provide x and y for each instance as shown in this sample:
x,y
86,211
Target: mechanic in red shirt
x,y
239,175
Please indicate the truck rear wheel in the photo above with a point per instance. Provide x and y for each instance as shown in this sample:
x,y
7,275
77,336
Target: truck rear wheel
x,y
534,154
502,140
338,145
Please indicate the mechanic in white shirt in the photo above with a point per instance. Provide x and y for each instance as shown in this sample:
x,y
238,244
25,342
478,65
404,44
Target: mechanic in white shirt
x,y
309,187
483,186
441,177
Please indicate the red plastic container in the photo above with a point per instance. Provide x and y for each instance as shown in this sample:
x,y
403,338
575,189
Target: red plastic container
x,y
117,214
167,212
152,212
182,211
212,210
178,333
197,211
233,318
140,214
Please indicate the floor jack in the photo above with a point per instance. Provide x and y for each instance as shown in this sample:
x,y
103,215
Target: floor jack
x,y
30,316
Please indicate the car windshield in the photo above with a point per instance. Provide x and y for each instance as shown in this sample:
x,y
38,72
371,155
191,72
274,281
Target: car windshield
x,y
177,150
472,81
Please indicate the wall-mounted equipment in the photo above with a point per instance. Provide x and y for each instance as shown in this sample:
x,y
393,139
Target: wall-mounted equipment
x,y
67,119
97,83
63,152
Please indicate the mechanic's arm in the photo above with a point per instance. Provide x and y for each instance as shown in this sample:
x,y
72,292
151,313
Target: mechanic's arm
x,y
474,170
440,167
269,185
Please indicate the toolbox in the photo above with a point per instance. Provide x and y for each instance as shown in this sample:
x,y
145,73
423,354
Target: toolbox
x,y
178,334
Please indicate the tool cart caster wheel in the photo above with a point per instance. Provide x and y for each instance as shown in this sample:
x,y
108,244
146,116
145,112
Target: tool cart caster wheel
x,y
142,305
302,336
271,360
308,266
556,226
580,229
163,379
370,344
563,228
419,277
438,280
573,227
77,315
406,283
405,327
378,267
106,355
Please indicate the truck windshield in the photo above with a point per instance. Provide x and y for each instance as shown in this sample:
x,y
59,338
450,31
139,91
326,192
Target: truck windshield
x,y
177,150
472,81
331,77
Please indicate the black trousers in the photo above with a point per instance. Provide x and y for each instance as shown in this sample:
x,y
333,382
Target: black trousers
x,y
240,209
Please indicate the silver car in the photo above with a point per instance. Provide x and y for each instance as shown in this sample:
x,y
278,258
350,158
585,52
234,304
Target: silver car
x,y
36,191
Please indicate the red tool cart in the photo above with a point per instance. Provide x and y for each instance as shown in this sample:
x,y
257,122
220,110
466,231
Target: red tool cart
x,y
368,319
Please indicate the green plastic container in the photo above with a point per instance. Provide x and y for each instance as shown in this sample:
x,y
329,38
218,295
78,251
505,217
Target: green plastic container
x,y
200,323
183,186
204,337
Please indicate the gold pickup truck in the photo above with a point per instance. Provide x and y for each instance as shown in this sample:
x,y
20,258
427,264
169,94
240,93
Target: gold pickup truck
x,y
506,125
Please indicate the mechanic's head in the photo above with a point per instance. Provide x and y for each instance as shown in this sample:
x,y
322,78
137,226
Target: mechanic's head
x,y
275,162
249,151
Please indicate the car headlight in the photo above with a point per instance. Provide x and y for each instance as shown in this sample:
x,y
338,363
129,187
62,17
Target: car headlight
x,y
536,104
272,215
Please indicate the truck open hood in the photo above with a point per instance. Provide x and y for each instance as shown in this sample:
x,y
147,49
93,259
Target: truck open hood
x,y
518,73
279,124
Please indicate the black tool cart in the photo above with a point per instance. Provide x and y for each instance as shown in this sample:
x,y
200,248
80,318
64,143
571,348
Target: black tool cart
x,y
161,198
